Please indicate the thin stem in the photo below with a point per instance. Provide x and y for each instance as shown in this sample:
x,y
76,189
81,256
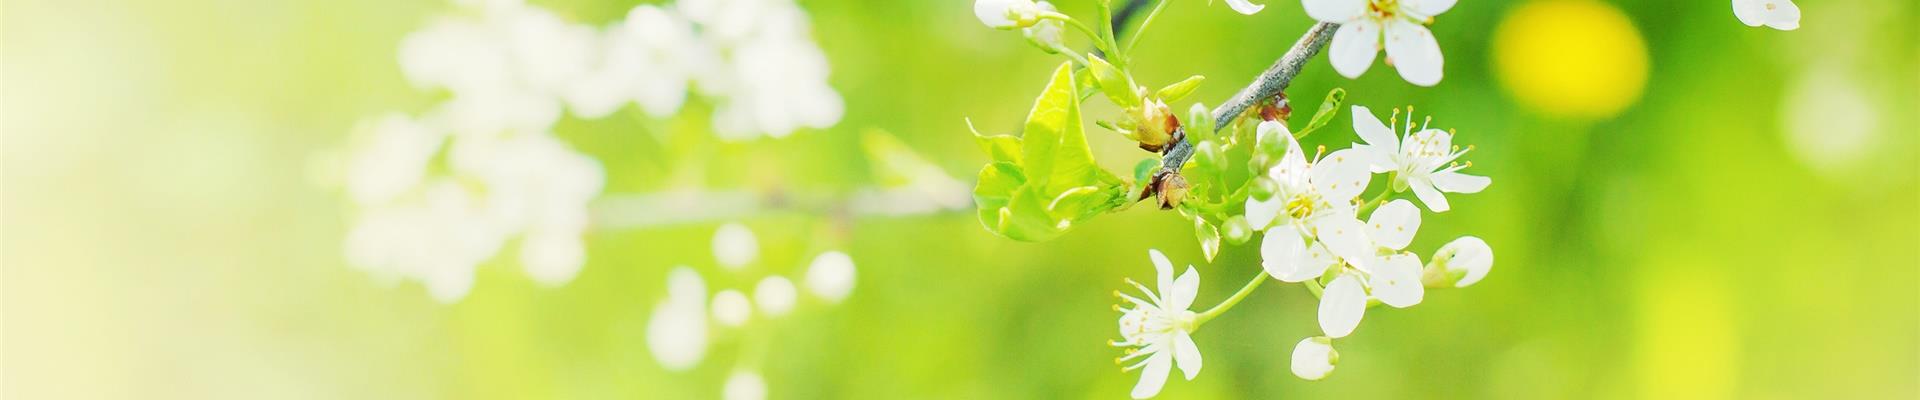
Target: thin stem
x,y
1106,37
1142,30
1235,299
1378,199
1098,40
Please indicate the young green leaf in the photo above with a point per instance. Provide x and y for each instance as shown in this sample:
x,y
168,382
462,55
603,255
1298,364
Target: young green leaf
x,y
1114,82
1328,108
1179,90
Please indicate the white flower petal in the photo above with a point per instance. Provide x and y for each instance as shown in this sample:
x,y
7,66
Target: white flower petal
x,y
1354,46
1341,306
1455,182
1260,214
1315,264
1245,7
1341,176
1281,252
1423,189
1374,132
1427,8
1396,281
1184,290
1313,358
1467,254
1393,225
552,257
1186,354
1334,11
1750,12
1163,271
1154,375
993,13
685,286
1784,15
1413,51
1345,236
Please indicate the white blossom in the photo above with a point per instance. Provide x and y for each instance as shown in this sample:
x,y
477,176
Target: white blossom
x,y
1423,161
1310,212
731,308
1776,14
1468,258
390,158
1048,34
734,246
1410,47
1374,269
1006,14
775,295
1314,358
677,330
437,238
831,276
1156,330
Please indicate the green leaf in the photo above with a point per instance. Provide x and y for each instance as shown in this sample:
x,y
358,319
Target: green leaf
x,y
1179,90
1209,237
1114,82
1328,108
1143,170
1039,184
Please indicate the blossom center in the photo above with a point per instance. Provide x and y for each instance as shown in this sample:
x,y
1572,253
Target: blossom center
x,y
1301,206
1382,10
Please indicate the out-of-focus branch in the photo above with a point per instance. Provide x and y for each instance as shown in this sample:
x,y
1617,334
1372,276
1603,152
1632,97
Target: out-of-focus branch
x,y
684,207
1269,84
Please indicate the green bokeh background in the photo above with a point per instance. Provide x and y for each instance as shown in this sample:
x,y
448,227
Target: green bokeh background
x,y
168,233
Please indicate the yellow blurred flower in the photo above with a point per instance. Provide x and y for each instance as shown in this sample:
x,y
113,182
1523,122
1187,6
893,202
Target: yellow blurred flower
x,y
1570,58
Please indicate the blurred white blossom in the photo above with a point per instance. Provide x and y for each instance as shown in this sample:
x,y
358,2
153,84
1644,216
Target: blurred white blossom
x,y
734,246
744,385
831,276
775,295
731,308
677,330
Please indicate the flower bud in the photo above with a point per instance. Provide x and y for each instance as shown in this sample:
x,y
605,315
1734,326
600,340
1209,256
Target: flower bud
x,y
1275,108
1172,189
1236,229
1459,263
1155,124
1314,358
1048,35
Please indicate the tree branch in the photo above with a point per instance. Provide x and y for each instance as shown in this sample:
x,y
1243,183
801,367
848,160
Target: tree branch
x,y
1269,84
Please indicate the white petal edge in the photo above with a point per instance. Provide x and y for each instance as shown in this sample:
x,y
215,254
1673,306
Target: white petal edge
x,y
1414,52
1423,189
1334,11
1354,46
1154,375
1341,306
1186,354
1455,182
1396,281
1184,290
1393,225
1342,175
1374,132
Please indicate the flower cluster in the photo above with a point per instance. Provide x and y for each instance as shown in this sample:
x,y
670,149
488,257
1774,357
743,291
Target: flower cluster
x,y
677,331
438,194
1314,233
